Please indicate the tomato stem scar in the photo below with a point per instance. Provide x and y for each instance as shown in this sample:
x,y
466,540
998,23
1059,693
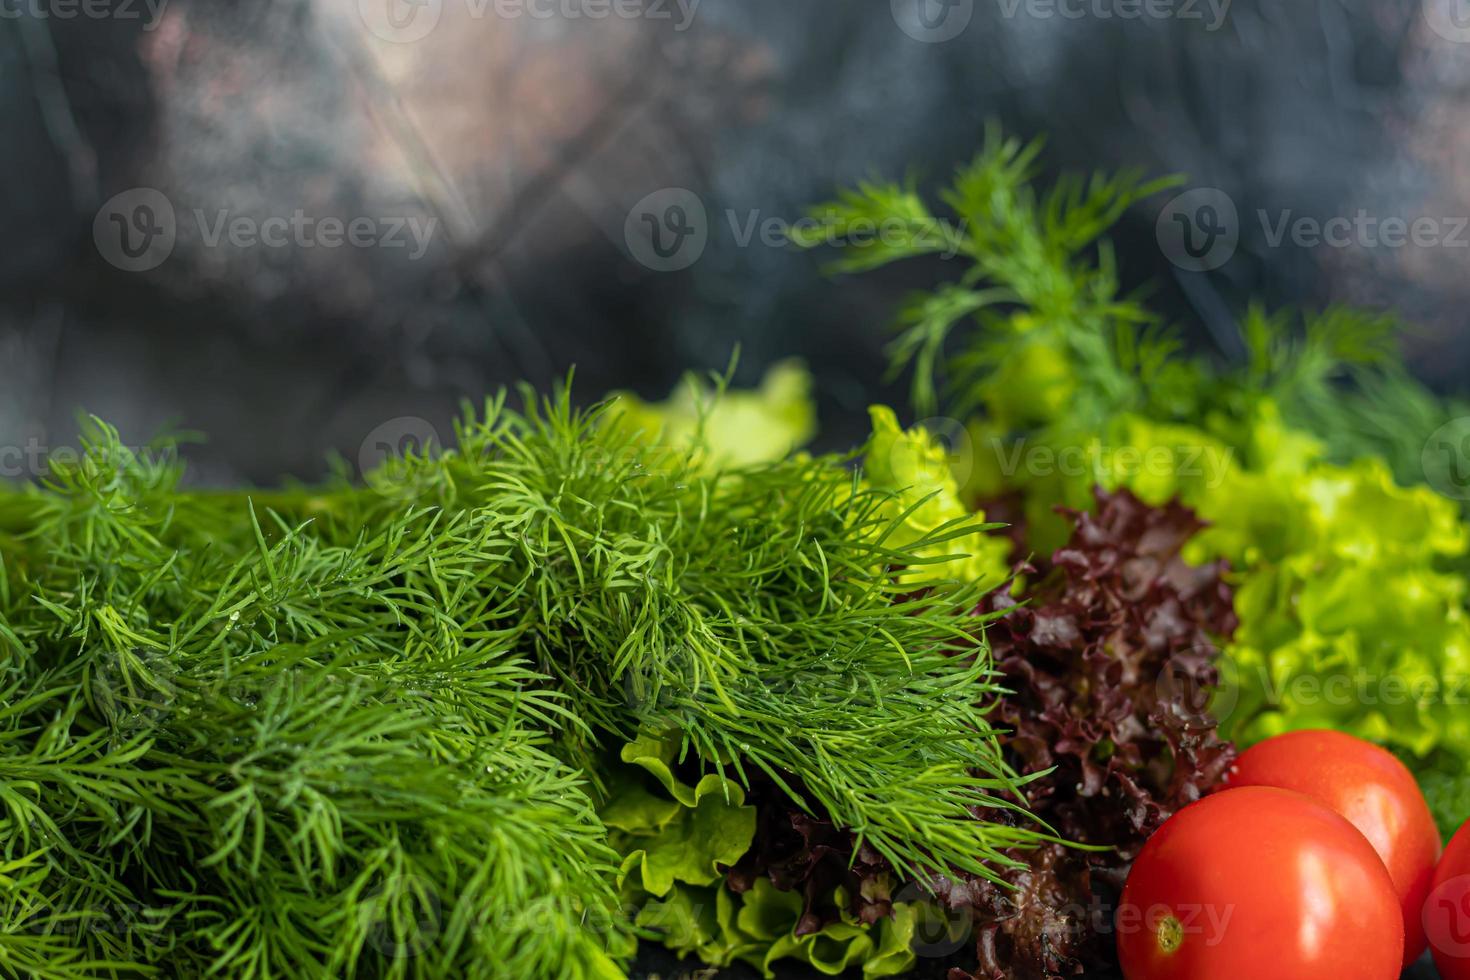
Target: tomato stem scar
x,y
1170,935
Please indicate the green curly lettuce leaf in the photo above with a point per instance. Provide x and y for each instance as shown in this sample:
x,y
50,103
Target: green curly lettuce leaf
x,y
679,838
1349,615
916,469
1347,620
1352,609
688,834
758,927
729,427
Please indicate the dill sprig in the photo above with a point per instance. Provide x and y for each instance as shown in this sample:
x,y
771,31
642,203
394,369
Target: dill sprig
x,y
1339,375
1033,333
1037,274
355,731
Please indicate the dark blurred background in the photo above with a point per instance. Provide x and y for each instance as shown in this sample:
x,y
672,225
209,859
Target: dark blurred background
x,y
494,154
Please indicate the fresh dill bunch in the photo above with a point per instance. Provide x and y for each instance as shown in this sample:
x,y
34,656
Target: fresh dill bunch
x,y
1038,279
231,747
754,611
355,730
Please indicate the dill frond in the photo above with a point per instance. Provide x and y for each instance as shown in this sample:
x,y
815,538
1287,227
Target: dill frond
x,y
1036,275
356,731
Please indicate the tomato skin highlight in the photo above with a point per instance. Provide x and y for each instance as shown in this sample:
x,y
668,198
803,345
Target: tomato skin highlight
x,y
1259,882
1447,910
1373,790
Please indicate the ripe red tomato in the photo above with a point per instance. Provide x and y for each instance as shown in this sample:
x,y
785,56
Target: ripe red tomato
x,y
1447,910
1376,793
1259,882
